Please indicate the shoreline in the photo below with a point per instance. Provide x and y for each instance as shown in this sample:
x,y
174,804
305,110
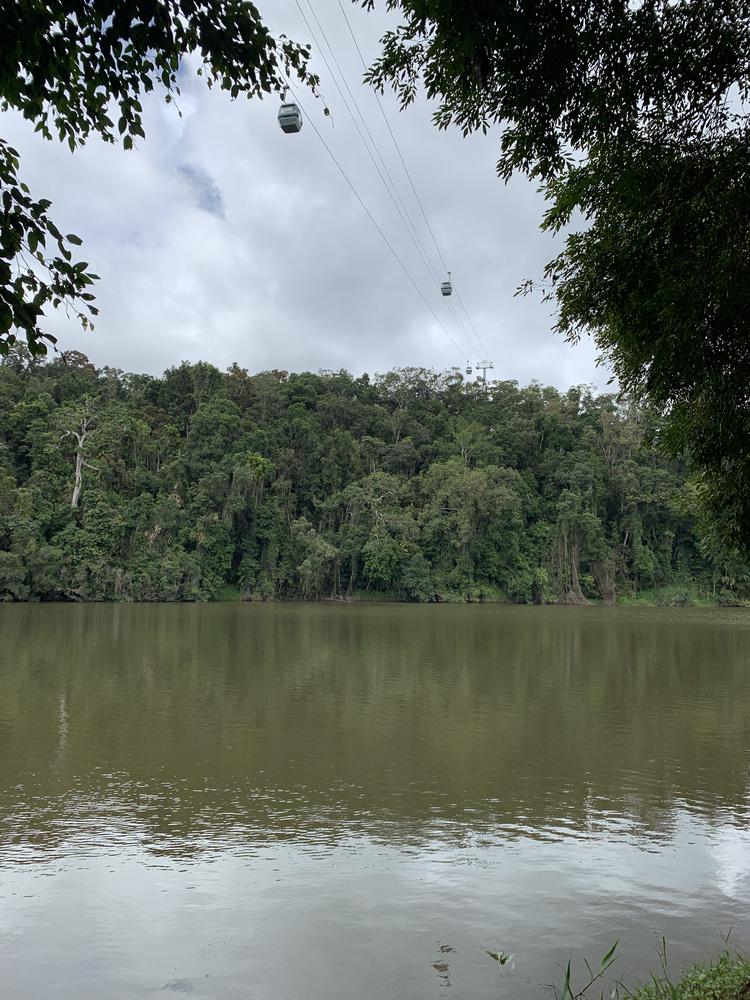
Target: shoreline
x,y
657,601
724,978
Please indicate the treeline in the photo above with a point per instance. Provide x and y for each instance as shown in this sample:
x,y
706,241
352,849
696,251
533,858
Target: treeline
x,y
421,486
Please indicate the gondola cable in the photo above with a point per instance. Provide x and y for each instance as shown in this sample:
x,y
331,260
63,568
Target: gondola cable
x,y
446,286
377,226
408,175
406,217
401,212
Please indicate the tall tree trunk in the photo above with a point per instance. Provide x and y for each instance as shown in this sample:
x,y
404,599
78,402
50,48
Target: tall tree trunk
x,y
74,500
605,581
575,594
80,438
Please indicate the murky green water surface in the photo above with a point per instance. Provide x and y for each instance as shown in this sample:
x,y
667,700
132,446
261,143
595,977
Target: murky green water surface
x,y
328,802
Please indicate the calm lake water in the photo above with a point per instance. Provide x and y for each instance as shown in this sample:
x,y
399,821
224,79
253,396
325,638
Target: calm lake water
x,y
324,803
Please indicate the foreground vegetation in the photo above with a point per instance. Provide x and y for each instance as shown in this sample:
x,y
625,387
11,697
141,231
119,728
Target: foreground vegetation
x,y
726,979
633,117
418,486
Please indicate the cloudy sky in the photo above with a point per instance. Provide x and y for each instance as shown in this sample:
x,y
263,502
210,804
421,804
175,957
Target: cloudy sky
x,y
220,238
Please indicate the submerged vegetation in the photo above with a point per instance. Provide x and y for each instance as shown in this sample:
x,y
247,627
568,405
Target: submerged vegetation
x,y
202,485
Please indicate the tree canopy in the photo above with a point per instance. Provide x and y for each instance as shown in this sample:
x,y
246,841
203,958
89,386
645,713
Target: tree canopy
x,y
411,484
632,116
634,119
78,69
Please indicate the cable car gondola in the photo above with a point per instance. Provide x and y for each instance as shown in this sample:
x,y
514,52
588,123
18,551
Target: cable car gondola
x,y
290,118
469,369
447,287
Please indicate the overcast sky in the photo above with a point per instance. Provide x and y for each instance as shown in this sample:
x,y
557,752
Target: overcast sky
x,y
221,238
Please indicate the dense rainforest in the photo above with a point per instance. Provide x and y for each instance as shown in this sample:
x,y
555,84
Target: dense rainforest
x,y
202,485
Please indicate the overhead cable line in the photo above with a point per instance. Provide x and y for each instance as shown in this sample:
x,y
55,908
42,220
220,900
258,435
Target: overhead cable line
x,y
375,224
471,324
458,321
407,171
401,210
395,141
408,220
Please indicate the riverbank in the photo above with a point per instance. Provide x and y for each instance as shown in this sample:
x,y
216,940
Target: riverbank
x,y
658,597
674,596
727,978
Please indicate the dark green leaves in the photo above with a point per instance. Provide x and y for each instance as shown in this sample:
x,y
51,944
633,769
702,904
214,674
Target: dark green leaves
x,y
634,117
418,485
662,279
64,68
25,232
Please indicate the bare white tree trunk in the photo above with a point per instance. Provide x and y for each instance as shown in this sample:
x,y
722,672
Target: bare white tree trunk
x,y
74,500
80,437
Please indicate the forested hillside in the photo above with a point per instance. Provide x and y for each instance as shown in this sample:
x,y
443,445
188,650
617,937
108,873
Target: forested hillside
x,y
202,484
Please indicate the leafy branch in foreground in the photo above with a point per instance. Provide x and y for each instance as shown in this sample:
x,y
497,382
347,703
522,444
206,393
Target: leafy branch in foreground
x,y
635,119
81,69
25,231
662,277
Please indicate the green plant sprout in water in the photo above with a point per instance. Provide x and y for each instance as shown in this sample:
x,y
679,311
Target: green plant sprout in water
x,y
502,958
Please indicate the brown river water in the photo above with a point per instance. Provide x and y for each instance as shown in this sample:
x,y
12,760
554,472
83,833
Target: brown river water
x,y
326,802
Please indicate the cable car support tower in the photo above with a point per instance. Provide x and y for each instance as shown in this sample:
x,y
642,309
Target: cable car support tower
x,y
484,367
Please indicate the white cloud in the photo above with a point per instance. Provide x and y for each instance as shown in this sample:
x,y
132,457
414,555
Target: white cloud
x,y
223,239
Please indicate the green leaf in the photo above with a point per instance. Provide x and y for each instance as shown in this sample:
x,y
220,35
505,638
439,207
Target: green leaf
x,y
72,238
499,956
567,993
608,958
